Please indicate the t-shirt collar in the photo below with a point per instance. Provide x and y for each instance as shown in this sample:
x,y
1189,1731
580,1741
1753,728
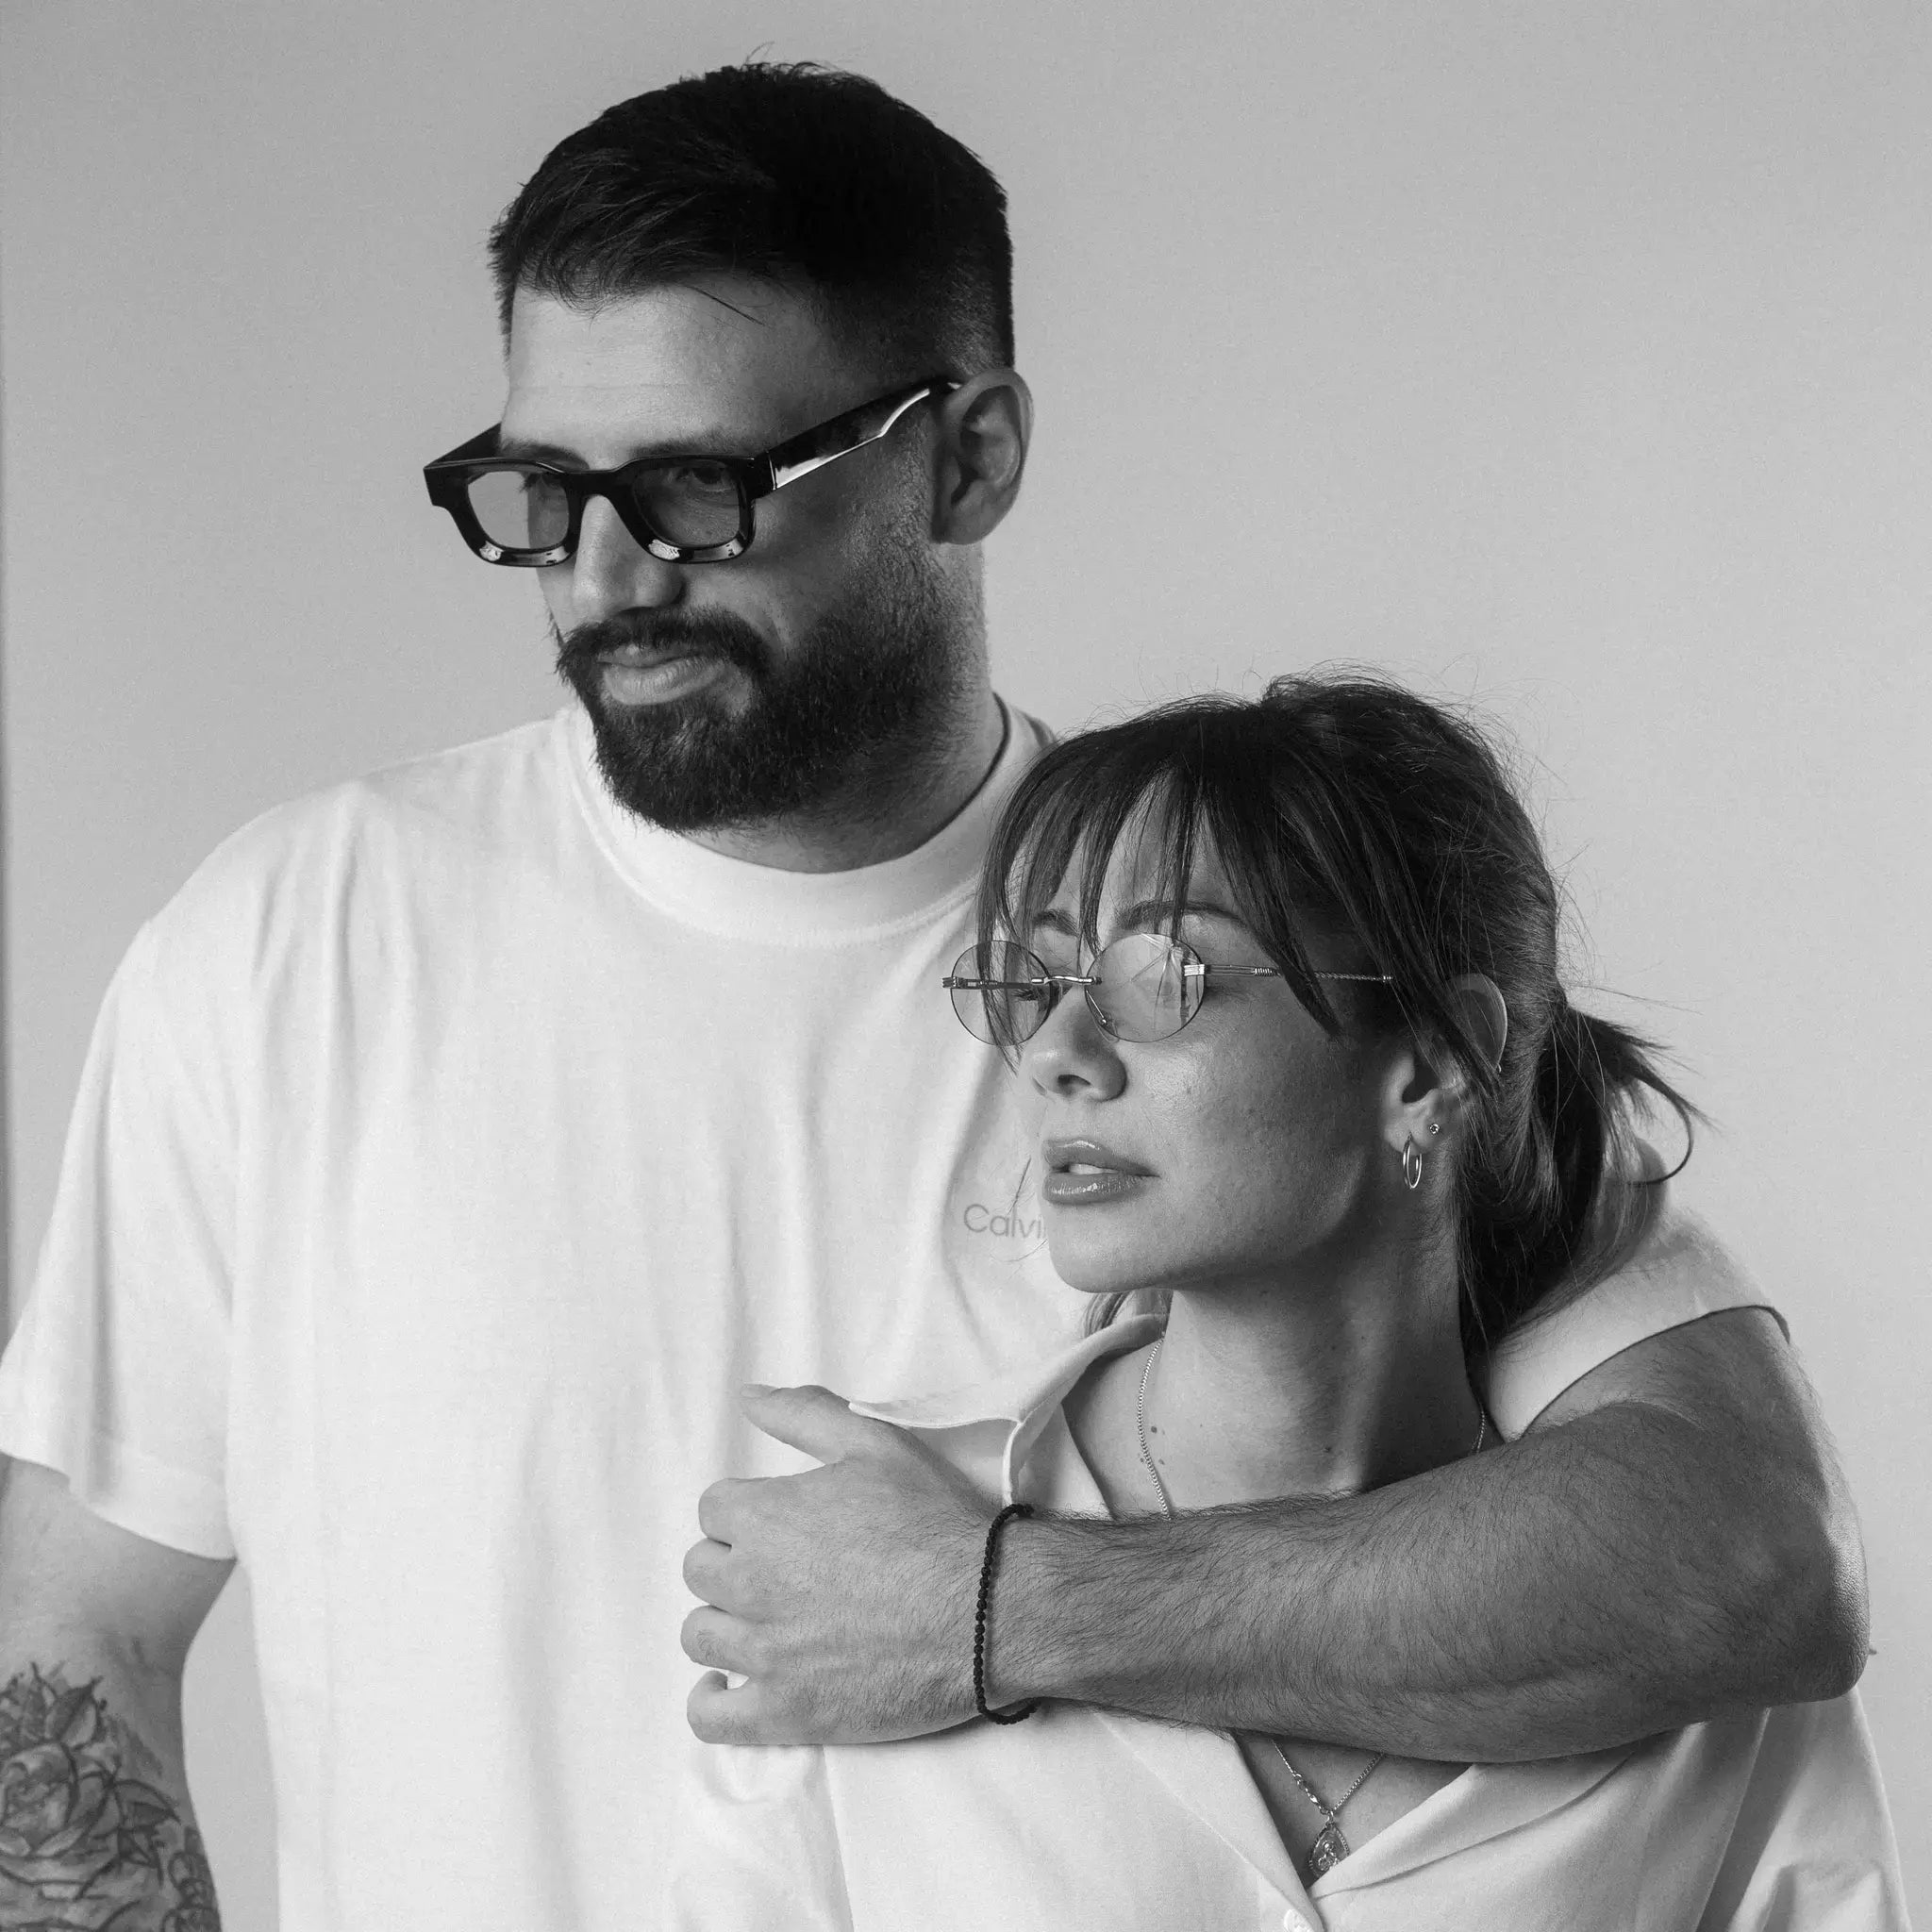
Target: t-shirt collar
x,y
731,896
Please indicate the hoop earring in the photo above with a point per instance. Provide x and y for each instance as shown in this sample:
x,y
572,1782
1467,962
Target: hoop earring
x,y
1411,1166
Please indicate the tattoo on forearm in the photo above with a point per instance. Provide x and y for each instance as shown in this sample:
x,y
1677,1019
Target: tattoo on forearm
x,y
88,1840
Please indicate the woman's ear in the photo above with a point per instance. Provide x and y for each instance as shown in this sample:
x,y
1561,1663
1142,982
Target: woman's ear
x,y
1425,1089
1419,1095
1484,1014
984,427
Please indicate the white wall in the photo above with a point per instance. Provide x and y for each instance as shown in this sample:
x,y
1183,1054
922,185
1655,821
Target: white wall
x,y
1576,359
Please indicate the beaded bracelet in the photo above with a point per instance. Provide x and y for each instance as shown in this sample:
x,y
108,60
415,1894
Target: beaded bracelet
x,y
1013,1713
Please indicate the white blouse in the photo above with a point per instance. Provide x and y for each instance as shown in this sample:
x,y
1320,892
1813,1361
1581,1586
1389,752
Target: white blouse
x,y
1082,1818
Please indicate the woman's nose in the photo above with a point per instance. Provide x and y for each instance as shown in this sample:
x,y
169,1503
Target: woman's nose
x,y
614,572
1073,1055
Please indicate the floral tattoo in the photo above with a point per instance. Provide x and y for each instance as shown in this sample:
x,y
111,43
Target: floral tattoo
x,y
88,1841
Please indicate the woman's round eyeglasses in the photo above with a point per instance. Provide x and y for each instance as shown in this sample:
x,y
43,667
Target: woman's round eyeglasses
x,y
526,513
1141,987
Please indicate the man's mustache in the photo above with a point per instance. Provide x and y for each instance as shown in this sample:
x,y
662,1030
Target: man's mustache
x,y
662,634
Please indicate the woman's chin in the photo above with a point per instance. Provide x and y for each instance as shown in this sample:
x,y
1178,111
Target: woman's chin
x,y
1092,1267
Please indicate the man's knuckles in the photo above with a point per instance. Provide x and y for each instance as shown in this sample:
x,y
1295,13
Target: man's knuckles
x,y
719,1715
743,1579
724,1643
728,1504
707,1570
695,1634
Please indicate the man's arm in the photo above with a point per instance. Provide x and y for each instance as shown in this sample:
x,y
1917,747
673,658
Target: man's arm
x,y
94,1629
1671,1540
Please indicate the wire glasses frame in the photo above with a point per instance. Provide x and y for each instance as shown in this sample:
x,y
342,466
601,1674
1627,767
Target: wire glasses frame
x,y
1141,987
695,508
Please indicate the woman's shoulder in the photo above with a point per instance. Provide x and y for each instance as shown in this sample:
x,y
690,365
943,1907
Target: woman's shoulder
x,y
1676,1271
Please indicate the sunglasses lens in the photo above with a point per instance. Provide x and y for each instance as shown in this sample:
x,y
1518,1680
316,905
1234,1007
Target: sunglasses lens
x,y
520,509
1140,988
1000,993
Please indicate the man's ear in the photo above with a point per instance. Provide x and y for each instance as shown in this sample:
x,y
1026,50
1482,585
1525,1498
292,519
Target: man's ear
x,y
984,426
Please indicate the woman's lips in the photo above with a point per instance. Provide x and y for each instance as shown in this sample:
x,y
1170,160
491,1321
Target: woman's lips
x,y
1080,1172
1073,1188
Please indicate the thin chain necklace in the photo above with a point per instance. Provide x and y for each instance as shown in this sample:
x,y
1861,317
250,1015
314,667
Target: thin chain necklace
x,y
1331,1846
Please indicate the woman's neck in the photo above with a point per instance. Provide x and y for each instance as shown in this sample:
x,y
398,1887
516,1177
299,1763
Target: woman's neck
x,y
1336,1381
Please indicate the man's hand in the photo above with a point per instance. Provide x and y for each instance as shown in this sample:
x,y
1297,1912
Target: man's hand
x,y
1670,1542
844,1595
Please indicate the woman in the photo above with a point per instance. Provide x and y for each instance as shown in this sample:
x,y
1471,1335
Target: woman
x,y
1317,1126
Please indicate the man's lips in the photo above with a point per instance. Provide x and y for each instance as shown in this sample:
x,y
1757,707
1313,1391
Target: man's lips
x,y
637,674
645,658
1080,1171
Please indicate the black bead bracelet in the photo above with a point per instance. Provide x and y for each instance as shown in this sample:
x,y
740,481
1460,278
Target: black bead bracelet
x,y
1015,1712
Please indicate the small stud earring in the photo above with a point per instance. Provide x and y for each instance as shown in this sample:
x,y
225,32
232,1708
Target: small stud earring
x,y
1435,1126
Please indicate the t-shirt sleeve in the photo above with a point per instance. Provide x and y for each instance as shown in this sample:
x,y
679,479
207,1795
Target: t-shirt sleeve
x,y
756,1844
1678,1272
118,1375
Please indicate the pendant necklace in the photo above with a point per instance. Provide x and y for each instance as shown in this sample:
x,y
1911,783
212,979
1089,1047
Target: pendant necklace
x,y
1331,1845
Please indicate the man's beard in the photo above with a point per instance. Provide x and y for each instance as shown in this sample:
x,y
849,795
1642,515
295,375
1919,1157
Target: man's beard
x,y
855,686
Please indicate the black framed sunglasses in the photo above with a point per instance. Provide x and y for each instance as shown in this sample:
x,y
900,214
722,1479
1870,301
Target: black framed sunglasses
x,y
1141,987
693,509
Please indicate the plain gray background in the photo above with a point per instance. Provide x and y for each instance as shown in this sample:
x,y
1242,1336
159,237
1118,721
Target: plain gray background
x,y
1574,360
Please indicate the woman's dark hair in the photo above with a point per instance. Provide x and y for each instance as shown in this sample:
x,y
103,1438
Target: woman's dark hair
x,y
1348,803
792,173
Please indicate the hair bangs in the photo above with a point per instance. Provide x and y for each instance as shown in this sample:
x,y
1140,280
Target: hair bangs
x,y
1271,871
1185,787
1064,827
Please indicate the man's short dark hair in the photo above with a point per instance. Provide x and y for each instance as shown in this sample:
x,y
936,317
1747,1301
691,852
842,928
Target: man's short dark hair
x,y
802,176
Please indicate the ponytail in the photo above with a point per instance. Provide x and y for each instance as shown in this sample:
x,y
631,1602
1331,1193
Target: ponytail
x,y
1557,1183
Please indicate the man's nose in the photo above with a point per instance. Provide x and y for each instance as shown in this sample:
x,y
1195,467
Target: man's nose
x,y
1073,1055
614,572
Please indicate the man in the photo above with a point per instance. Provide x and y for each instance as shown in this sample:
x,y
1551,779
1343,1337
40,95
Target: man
x,y
456,1144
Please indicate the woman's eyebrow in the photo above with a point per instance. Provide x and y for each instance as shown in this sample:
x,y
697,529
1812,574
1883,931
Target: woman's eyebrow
x,y
1144,914
1053,920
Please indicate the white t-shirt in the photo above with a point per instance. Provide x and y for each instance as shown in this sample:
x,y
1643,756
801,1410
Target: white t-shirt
x,y
450,1150
1093,1820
